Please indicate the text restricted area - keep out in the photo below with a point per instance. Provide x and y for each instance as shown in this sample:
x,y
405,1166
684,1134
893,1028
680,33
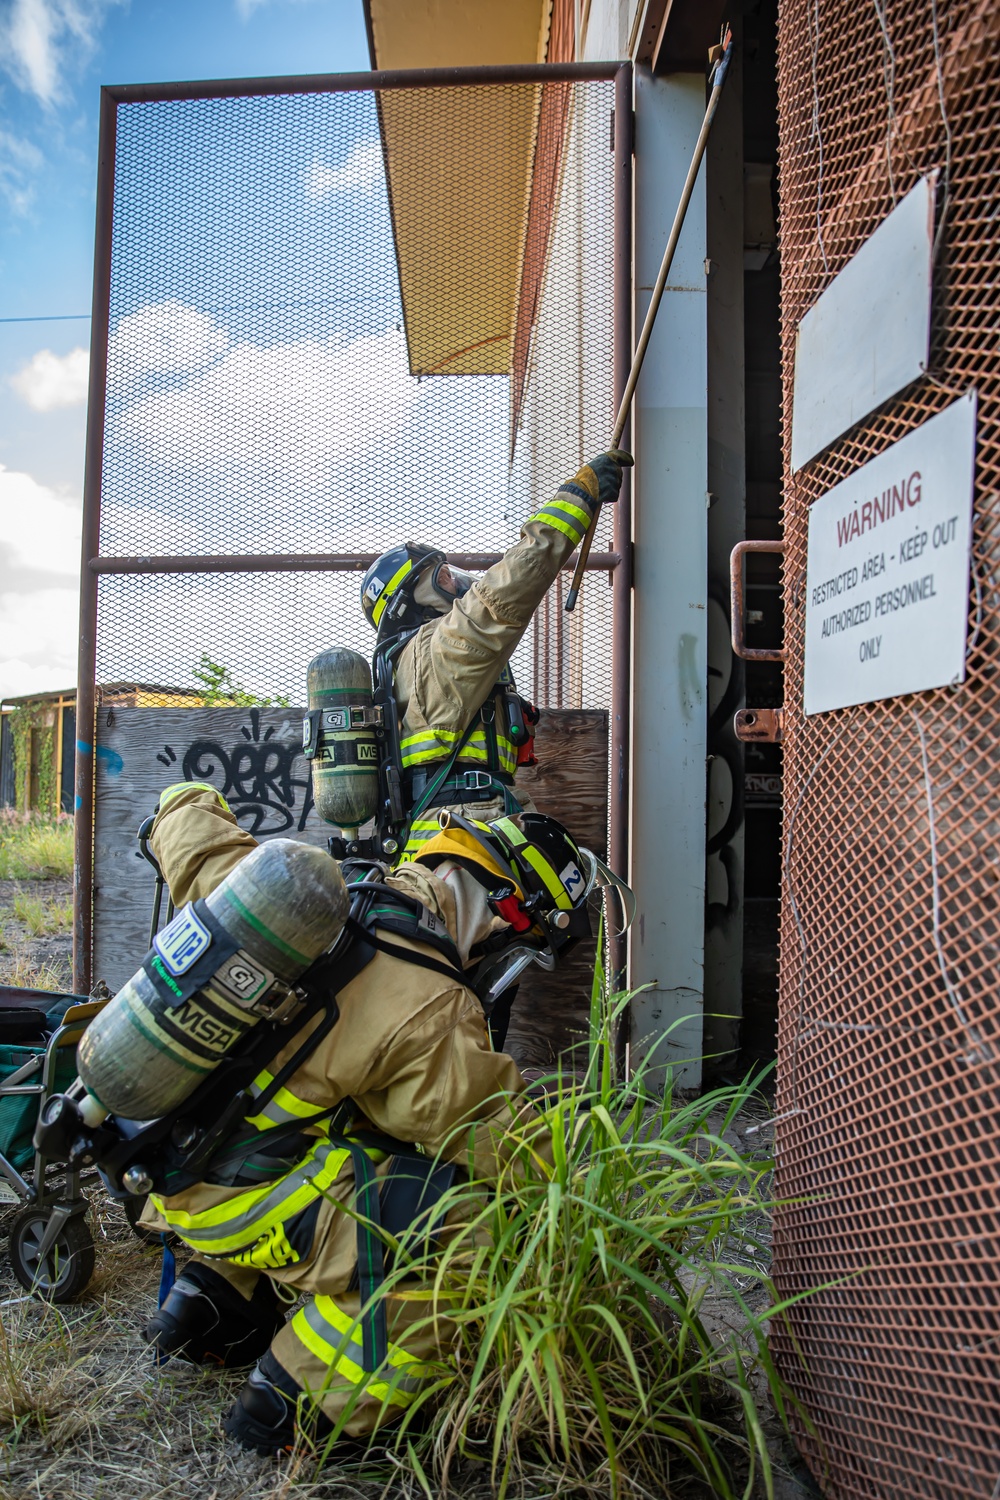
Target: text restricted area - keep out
x,y
887,582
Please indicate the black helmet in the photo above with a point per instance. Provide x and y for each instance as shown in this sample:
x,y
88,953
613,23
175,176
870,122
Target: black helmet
x,y
539,878
387,588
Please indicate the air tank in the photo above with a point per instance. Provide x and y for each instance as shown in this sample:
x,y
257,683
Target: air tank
x,y
149,1048
340,738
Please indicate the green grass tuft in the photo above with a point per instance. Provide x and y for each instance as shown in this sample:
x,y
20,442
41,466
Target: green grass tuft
x,y
35,848
42,917
578,1291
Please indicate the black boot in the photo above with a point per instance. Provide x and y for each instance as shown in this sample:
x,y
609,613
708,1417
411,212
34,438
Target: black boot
x,y
206,1321
265,1418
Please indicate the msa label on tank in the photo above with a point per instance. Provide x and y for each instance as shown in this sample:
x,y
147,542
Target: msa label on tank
x,y
348,753
182,941
192,1021
572,880
242,979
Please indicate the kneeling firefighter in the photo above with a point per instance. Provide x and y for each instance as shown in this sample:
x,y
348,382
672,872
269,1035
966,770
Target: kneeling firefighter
x,y
444,726
363,1076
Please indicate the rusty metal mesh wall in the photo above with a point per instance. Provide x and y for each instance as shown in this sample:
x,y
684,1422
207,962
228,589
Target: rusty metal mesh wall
x,y
280,377
889,1035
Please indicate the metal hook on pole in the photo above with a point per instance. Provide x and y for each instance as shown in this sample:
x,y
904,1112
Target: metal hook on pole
x,y
721,59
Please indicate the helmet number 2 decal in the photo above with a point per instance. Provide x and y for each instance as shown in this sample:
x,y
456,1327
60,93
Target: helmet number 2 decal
x,y
572,879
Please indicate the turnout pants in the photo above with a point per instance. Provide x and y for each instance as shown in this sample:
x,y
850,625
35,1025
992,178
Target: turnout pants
x,y
320,1346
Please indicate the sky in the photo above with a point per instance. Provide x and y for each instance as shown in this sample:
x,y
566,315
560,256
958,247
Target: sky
x,y
259,392
54,56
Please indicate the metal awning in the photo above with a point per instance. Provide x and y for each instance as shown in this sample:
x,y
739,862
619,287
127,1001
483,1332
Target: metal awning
x,y
458,165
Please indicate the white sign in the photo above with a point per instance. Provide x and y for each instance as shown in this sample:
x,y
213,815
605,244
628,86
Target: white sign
x,y
868,334
887,580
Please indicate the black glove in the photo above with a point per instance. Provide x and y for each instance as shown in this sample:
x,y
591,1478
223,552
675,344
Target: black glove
x,y
607,468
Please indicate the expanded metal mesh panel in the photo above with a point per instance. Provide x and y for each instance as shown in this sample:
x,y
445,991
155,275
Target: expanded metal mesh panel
x,y
889,1034
313,309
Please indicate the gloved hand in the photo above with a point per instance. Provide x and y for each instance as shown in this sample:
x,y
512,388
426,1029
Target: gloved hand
x,y
602,476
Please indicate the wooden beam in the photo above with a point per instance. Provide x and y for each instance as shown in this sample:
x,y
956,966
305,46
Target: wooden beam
x,y
676,34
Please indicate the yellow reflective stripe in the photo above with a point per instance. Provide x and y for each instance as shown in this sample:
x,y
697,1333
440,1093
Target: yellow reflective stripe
x,y
282,1108
432,744
571,510
510,831
569,530
344,1356
244,1219
389,590
564,516
272,1251
553,884
428,734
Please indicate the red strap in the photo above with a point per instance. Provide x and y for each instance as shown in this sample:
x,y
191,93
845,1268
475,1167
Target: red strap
x,y
512,912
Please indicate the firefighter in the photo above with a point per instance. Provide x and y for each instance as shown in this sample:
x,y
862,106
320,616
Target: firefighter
x,y
444,641
447,640
408,1060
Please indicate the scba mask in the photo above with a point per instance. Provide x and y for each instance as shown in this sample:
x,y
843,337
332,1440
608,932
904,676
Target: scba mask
x,y
437,588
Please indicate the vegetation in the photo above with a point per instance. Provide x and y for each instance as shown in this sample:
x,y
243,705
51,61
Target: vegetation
x,y
583,1357
31,725
220,691
34,847
42,917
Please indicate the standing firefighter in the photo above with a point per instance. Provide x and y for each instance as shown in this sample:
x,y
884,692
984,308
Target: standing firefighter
x,y
367,1112
444,641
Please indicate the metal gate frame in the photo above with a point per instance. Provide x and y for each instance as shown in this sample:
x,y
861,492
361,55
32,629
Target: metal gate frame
x,y
618,562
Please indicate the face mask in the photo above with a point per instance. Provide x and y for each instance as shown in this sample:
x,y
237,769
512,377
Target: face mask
x,y
439,587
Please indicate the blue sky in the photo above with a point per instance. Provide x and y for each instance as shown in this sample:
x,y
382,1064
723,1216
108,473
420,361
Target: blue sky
x,y
54,55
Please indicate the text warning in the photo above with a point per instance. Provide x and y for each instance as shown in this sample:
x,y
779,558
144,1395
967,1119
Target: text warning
x,y
887,581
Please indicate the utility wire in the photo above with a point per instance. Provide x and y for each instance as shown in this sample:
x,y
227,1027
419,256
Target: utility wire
x,y
52,318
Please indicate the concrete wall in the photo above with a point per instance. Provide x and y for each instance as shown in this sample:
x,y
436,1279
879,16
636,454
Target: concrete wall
x,y
670,601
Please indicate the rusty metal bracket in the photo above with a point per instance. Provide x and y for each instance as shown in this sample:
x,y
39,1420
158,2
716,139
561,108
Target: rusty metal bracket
x,y
764,725
738,601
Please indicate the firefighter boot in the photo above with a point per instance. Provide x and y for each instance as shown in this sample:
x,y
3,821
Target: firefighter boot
x,y
266,1417
206,1321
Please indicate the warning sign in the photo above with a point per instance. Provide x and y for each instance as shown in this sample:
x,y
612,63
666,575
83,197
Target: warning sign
x,y
887,579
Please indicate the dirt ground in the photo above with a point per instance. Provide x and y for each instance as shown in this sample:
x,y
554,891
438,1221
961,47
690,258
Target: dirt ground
x,y
42,960
92,1418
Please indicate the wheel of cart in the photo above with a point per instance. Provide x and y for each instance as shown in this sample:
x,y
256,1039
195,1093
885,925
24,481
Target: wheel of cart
x,y
52,1250
50,1243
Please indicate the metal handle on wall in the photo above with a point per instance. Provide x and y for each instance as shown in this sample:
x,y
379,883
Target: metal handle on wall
x,y
738,602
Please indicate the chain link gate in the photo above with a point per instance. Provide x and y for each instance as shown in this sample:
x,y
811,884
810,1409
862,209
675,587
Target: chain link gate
x,y
888,1137
330,314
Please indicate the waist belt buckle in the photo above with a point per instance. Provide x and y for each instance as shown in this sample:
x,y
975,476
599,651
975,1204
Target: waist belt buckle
x,y
476,781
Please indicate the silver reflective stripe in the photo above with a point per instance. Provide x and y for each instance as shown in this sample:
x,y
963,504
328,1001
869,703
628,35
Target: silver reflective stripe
x,y
347,1348
237,1224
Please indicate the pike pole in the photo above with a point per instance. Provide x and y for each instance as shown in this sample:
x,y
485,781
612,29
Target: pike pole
x,y
721,59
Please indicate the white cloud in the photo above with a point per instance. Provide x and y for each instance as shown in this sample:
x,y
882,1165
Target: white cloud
x,y
360,171
40,39
289,410
49,380
39,532
38,528
166,338
20,163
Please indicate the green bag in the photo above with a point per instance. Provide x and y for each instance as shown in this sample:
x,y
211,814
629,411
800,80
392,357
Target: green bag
x,y
19,1112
